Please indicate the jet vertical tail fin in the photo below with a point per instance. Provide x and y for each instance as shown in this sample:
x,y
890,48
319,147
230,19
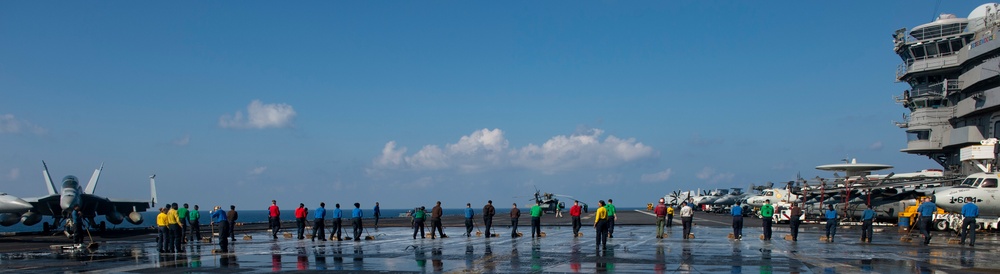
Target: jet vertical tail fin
x,y
92,185
152,190
48,179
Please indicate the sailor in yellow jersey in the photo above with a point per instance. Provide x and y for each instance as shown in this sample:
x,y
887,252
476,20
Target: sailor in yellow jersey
x,y
161,230
601,224
670,215
174,224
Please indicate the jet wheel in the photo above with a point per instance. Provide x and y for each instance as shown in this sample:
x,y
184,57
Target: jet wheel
x,y
102,226
941,225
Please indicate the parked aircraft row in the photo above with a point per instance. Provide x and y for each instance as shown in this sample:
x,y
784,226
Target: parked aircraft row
x,y
888,194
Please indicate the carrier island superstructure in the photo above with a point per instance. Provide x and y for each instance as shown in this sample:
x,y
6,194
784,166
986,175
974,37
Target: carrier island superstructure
x,y
952,66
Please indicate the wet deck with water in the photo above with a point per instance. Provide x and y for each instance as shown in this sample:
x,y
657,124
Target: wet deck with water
x,y
634,249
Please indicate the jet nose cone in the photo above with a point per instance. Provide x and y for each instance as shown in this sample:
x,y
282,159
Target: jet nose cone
x,y
67,202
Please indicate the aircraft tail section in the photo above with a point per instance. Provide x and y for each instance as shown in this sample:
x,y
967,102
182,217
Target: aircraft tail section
x,y
48,179
152,190
92,185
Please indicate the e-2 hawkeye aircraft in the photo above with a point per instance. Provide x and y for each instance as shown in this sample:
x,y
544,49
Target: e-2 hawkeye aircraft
x,y
861,188
60,205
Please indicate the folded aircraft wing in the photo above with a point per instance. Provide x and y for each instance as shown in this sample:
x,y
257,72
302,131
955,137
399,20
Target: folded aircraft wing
x,y
104,206
47,205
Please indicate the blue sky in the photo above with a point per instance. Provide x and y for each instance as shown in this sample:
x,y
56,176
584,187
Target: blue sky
x,y
411,102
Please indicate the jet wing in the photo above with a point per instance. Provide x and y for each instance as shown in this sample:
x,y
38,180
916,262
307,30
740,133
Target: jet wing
x,y
104,206
47,205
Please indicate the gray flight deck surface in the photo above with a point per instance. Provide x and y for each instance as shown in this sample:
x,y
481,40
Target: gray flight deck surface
x,y
634,249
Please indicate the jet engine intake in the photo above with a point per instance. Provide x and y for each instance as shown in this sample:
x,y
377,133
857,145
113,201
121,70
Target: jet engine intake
x,y
135,218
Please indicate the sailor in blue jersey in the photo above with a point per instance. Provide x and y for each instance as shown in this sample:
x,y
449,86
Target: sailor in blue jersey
x,y
926,211
970,211
737,213
356,221
469,214
831,222
337,215
319,223
219,218
867,217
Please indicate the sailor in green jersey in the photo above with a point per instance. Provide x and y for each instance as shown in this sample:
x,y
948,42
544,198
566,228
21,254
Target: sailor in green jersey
x,y
182,213
536,220
611,218
766,212
193,219
418,222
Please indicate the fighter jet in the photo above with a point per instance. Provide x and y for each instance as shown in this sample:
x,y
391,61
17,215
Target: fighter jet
x,y
59,206
11,209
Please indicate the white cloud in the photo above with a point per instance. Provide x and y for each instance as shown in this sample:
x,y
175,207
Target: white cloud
x,y
182,141
487,149
13,125
562,153
709,174
875,146
14,174
258,170
661,176
260,116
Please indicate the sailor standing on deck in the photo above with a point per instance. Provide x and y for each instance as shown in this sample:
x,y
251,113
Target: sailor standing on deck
x,y
231,216
737,212
766,213
687,214
219,218
182,213
418,222
536,220
926,212
670,216
436,213
274,218
163,233
300,219
488,212
515,214
469,214
356,221
611,218
319,225
794,221
661,218
337,215
174,224
867,217
831,222
601,225
77,227
574,213
970,211
194,218
377,213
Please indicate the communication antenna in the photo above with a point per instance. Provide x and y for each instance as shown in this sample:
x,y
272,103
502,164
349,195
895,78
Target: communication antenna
x,y
936,6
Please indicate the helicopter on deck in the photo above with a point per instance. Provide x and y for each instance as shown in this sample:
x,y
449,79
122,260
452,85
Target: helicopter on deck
x,y
550,202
